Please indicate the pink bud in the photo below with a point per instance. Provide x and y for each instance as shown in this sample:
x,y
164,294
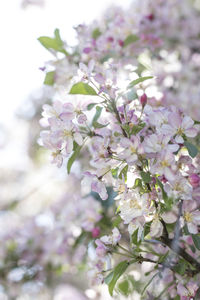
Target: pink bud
x,y
95,232
143,100
150,17
194,180
121,43
110,39
87,50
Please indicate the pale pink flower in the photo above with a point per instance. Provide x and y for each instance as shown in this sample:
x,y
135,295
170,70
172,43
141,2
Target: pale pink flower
x,y
132,148
96,185
191,216
112,239
156,228
163,166
179,126
156,143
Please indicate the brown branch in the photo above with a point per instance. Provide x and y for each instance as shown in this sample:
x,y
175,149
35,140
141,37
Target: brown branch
x,y
181,252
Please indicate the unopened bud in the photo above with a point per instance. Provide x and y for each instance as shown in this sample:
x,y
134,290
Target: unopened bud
x,y
95,232
143,100
194,180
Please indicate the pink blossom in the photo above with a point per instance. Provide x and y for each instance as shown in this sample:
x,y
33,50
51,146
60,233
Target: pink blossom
x,y
179,126
194,180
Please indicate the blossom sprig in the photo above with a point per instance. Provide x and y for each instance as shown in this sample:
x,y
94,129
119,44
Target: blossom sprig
x,y
139,146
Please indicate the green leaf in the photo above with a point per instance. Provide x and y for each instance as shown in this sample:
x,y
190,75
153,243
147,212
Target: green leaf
x,y
91,105
162,258
123,287
124,173
58,38
150,281
82,88
109,277
164,194
192,149
114,172
196,240
146,176
53,43
118,271
98,125
130,39
137,128
131,94
139,80
138,183
135,238
49,78
73,158
96,33
117,221
97,114
180,267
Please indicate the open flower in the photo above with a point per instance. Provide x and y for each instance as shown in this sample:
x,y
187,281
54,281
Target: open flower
x,y
179,126
132,148
96,185
112,239
133,206
191,216
164,165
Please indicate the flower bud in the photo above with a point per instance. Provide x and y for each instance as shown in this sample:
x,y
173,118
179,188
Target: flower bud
x,y
95,232
143,100
194,180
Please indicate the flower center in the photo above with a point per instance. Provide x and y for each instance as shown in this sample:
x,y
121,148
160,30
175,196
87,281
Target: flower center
x,y
188,217
180,131
67,133
121,188
133,150
134,204
164,163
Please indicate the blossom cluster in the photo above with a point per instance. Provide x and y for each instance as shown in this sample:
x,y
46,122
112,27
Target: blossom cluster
x,y
129,117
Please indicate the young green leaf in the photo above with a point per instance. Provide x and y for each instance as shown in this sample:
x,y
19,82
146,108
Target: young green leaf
x,y
192,149
109,277
73,158
135,238
49,78
116,222
82,88
98,125
114,172
97,114
91,105
96,33
123,287
53,43
164,194
123,173
146,176
130,39
180,267
139,80
138,183
131,94
196,240
118,271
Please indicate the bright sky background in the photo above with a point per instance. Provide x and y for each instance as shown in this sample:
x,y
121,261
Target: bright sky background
x,y
21,53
